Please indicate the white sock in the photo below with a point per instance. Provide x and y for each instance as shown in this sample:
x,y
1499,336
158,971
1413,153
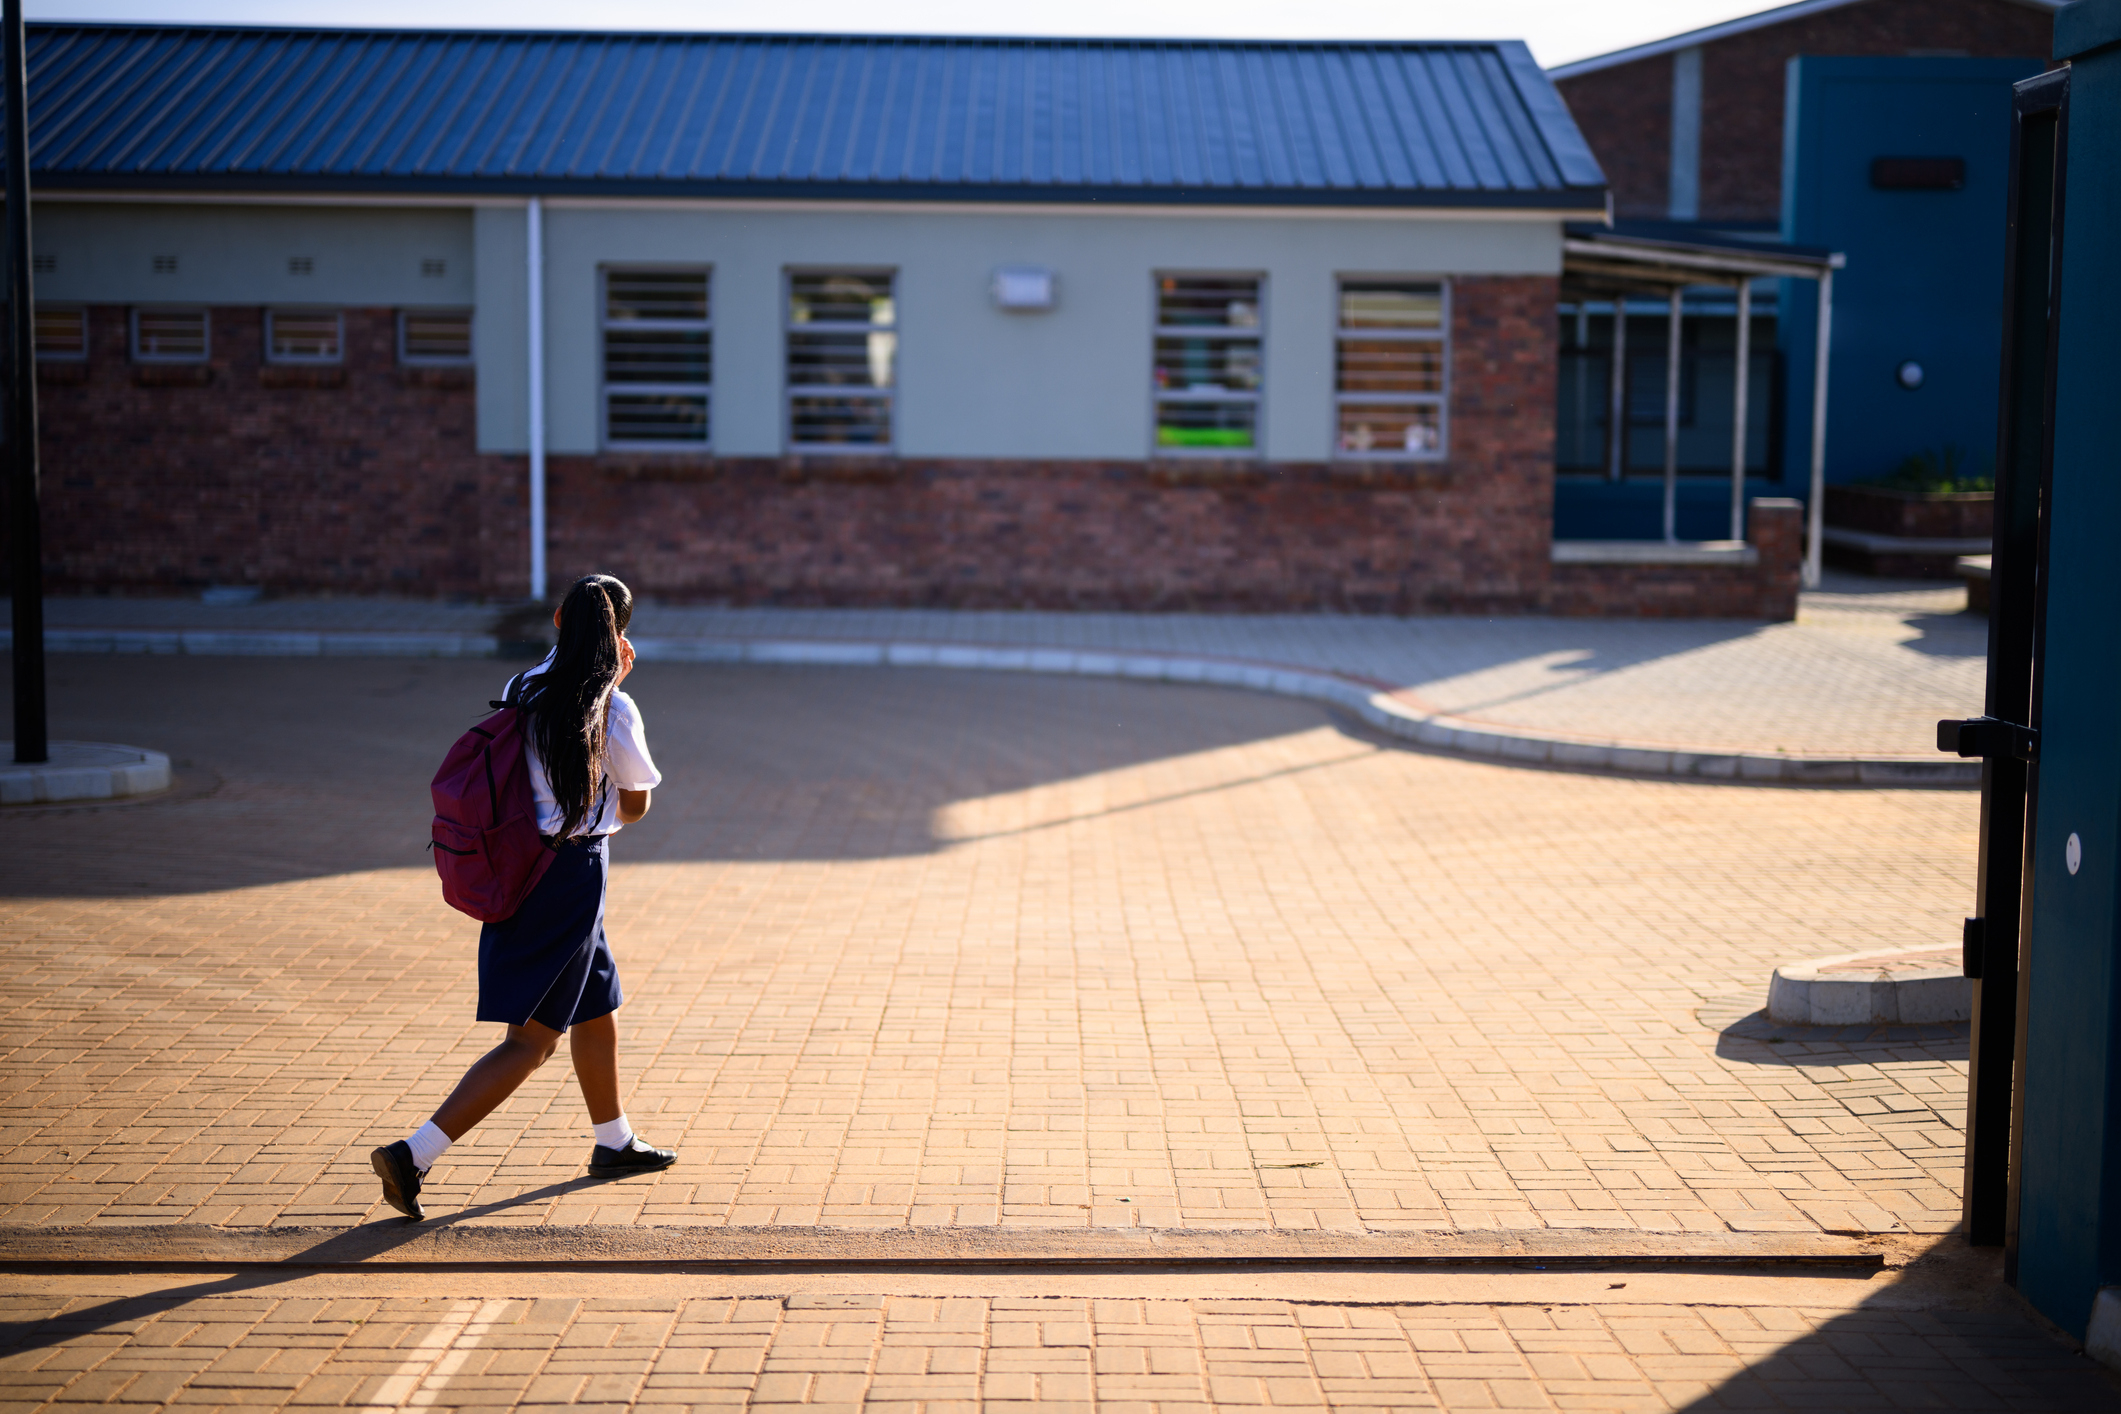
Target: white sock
x,y
614,1133
427,1143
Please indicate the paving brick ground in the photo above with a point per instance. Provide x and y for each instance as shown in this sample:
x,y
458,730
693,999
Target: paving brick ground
x,y
930,948
1866,670
716,1343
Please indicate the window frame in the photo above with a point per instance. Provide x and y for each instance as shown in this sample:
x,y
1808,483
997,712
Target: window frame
x,y
1440,399
471,345
1257,397
606,389
79,311
206,333
338,316
791,390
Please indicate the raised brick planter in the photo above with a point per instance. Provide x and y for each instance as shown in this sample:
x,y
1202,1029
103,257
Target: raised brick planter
x,y
1908,534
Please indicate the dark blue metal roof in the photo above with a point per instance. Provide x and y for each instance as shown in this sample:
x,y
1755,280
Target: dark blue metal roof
x,y
816,116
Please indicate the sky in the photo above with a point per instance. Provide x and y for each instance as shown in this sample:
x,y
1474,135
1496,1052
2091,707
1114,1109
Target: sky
x,y
1558,31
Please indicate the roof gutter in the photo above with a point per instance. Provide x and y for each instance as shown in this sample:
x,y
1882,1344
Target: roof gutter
x,y
1576,202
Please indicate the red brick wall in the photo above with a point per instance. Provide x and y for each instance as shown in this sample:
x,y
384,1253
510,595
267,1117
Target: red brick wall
x,y
370,487
1468,535
1625,111
1626,115
374,485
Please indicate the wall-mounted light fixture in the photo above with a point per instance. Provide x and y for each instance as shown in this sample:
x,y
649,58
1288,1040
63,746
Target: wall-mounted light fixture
x,y
1023,287
1909,375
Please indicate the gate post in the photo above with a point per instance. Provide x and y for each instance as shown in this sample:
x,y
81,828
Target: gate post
x,y
2068,1164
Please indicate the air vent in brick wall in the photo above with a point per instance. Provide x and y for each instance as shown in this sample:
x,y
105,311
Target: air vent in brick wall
x,y
301,265
434,267
165,265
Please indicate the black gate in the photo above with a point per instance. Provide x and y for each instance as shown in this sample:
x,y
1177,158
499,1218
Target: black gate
x,y
2007,736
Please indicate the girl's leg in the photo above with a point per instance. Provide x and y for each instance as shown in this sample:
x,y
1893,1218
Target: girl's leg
x,y
594,1046
495,1076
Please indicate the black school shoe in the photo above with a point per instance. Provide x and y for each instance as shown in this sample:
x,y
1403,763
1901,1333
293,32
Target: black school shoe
x,y
401,1178
636,1157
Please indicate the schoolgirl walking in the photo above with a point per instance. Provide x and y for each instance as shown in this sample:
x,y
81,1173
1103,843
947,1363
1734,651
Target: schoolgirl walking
x,y
546,969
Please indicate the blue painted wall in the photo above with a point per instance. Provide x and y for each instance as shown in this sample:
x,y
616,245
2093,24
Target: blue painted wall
x,y
2070,1209
1925,268
1634,509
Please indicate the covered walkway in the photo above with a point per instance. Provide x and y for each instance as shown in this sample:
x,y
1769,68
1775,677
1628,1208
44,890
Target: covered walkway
x,y
1609,266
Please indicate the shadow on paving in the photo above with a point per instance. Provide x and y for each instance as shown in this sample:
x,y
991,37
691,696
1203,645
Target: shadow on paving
x,y
1755,1040
1949,635
303,768
1973,1362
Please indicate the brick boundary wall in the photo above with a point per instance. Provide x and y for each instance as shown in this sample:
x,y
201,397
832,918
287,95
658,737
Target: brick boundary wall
x,y
1625,111
1766,589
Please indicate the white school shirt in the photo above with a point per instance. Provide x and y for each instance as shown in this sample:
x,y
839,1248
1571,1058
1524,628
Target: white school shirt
x,y
627,766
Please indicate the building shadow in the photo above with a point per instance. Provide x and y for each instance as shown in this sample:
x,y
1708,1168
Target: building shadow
x,y
1976,1349
1961,635
293,769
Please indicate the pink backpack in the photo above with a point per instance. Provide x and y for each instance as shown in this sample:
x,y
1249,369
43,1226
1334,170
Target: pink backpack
x,y
486,842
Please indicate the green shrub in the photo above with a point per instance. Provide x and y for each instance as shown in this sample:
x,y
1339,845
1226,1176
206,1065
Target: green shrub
x,y
1933,470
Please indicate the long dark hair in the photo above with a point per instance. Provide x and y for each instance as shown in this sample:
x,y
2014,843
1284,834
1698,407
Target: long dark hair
x,y
567,703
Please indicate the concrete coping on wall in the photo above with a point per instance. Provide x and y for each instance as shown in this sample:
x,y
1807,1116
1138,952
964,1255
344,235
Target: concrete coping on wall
x,y
1736,553
81,770
1889,986
1384,706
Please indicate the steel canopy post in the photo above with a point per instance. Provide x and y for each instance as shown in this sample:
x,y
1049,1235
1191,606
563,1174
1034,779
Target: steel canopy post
x,y
1671,419
1617,394
1741,388
26,540
1815,513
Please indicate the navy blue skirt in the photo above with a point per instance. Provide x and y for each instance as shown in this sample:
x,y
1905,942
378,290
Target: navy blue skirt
x,y
550,963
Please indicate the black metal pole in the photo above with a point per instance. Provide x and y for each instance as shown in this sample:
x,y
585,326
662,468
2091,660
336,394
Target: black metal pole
x,y
26,540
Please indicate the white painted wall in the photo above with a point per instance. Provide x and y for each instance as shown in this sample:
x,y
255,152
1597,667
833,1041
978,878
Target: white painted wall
x,y
974,381
1070,383
501,327
233,254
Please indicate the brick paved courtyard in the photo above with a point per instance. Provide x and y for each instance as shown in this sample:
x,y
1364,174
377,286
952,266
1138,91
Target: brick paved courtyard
x,y
929,948
922,949
937,1345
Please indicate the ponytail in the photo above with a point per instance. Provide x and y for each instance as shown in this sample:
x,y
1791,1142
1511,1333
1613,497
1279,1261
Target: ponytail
x,y
570,699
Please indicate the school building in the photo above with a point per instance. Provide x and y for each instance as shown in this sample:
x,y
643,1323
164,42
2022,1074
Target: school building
x,y
816,319
1876,130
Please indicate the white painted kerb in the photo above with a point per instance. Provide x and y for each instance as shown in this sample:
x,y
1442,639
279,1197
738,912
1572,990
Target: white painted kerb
x,y
1848,991
1375,704
81,770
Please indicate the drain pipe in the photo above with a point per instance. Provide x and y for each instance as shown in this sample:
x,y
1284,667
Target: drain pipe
x,y
536,262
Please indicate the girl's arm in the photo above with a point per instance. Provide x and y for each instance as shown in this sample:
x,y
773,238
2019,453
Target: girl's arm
x,y
633,804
